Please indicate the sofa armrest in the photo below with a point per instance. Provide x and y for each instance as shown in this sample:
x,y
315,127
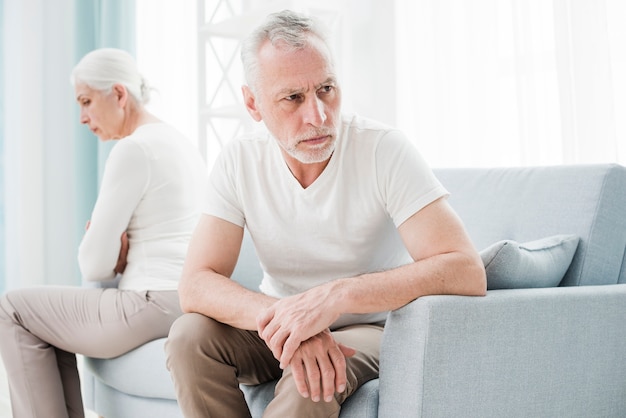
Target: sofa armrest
x,y
514,353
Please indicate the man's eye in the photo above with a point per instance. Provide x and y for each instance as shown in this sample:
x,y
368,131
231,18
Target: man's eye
x,y
326,89
293,97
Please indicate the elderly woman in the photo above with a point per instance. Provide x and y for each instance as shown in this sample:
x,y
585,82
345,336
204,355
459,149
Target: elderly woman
x,y
147,207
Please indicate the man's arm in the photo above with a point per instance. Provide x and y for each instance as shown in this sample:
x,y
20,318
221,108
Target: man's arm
x,y
445,262
205,286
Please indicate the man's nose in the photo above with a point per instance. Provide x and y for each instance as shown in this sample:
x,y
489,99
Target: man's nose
x,y
314,112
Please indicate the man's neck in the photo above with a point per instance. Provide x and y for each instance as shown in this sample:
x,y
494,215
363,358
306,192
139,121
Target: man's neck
x,y
306,174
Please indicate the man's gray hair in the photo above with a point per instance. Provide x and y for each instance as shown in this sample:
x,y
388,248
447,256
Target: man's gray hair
x,y
288,27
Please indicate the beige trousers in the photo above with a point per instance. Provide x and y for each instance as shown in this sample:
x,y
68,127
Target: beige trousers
x,y
41,329
208,360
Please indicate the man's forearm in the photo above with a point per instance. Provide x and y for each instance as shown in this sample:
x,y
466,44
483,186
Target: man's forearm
x,y
445,274
222,299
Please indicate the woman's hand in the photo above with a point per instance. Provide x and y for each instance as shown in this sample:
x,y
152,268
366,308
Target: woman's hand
x,y
120,266
122,259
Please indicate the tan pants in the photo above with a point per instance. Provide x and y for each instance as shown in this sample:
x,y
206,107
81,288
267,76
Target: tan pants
x,y
208,360
41,329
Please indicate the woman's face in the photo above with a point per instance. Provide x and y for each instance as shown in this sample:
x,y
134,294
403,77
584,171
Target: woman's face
x,y
102,112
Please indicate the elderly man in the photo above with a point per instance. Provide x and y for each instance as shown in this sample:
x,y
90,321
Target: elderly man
x,y
348,222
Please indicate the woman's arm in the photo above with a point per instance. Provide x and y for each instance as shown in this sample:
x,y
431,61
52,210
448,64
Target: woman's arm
x,y
101,254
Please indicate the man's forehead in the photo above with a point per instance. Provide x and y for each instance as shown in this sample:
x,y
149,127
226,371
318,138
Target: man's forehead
x,y
291,70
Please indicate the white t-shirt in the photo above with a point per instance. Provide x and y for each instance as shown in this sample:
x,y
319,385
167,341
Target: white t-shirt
x,y
152,187
342,225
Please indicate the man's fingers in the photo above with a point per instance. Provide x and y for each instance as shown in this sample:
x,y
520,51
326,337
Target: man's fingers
x,y
277,344
319,368
347,351
262,321
313,377
328,375
338,359
299,377
289,347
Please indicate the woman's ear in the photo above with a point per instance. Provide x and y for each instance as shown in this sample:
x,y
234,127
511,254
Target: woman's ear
x,y
251,104
121,94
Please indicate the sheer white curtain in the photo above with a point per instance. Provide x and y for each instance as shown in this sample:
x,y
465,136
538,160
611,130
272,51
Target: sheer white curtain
x,y
50,165
166,45
513,82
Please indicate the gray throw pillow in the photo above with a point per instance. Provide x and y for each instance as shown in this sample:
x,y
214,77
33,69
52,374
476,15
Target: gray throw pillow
x,y
540,263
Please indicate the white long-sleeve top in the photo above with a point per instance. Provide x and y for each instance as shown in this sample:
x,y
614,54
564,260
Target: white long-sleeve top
x,y
152,188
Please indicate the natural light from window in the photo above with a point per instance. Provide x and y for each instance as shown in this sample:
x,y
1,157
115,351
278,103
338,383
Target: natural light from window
x,y
166,54
484,83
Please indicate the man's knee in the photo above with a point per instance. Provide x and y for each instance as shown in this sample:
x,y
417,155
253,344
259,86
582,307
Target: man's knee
x,y
185,333
194,333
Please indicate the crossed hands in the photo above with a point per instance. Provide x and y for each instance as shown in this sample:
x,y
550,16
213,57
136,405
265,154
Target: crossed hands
x,y
120,266
296,330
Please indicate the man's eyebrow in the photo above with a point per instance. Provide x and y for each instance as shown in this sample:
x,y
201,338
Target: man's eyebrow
x,y
330,80
290,91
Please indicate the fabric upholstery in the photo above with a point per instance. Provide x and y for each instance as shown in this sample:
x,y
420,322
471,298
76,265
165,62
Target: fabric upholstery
x,y
555,352
516,352
364,403
528,203
540,263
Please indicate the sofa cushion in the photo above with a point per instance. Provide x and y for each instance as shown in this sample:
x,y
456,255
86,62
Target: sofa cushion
x,y
526,203
539,263
140,372
361,404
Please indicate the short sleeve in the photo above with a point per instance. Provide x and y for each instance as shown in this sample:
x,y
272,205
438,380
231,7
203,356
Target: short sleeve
x,y
222,198
406,182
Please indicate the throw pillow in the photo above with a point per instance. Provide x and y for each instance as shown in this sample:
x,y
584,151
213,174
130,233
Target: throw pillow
x,y
539,263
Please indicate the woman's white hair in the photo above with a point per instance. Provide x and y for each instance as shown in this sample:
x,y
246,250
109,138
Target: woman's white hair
x,y
100,69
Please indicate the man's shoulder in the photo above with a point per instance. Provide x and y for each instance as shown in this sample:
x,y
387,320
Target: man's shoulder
x,y
360,128
361,131
246,149
248,141
352,121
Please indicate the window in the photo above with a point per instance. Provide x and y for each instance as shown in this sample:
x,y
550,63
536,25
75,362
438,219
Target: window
x,y
513,82
482,83
166,54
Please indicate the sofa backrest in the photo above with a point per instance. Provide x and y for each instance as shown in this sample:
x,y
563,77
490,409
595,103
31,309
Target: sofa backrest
x,y
248,271
528,203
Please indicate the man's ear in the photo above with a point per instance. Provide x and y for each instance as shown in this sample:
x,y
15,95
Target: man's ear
x,y
251,105
121,94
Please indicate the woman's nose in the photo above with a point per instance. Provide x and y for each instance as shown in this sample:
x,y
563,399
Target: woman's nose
x,y
83,117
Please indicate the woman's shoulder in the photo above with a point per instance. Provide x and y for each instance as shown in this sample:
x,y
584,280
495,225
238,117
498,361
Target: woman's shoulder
x,y
156,139
155,131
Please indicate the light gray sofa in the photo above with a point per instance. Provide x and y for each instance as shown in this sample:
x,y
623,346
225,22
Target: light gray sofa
x,y
540,352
